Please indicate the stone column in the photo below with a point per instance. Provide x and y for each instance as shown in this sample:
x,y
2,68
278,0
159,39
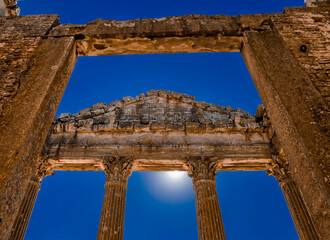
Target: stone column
x,y
300,216
24,214
209,220
297,110
117,171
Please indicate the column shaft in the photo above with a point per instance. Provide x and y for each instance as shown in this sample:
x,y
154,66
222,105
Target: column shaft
x,y
298,211
112,220
23,217
117,171
209,220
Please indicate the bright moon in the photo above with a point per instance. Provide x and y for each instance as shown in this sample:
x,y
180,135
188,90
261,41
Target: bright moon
x,y
175,174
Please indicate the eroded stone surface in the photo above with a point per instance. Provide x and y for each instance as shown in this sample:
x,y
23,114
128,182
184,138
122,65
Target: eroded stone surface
x,y
34,73
158,111
160,130
290,48
297,107
191,33
9,8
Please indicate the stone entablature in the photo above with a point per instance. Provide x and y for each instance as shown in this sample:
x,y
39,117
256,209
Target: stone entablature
x,y
160,130
190,33
158,111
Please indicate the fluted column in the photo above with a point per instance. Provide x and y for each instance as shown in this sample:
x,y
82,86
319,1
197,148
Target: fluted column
x,y
209,220
117,170
300,216
24,214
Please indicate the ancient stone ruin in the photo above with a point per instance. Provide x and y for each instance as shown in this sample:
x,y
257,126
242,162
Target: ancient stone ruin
x,y
160,130
287,55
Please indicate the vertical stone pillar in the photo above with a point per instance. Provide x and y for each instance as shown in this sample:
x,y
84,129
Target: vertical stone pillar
x,y
117,171
209,220
300,216
25,211
297,110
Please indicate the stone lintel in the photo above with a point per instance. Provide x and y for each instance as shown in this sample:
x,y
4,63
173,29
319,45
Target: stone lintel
x,y
180,34
160,151
159,165
165,158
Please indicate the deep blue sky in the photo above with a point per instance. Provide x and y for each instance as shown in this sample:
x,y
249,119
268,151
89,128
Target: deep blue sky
x,y
158,208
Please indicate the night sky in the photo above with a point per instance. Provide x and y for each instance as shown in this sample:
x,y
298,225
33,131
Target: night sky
x,y
158,207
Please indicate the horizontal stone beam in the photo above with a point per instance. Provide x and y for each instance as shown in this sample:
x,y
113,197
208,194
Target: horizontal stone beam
x,y
160,151
160,165
95,164
183,34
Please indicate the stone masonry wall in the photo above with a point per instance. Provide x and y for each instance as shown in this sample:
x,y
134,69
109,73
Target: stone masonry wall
x,y
288,59
19,38
306,31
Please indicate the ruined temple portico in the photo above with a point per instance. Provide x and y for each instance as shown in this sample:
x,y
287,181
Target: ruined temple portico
x,y
287,55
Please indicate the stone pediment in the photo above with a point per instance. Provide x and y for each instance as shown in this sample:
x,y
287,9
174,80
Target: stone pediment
x,y
160,130
157,111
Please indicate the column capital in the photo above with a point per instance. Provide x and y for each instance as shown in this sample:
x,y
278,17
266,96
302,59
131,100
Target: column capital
x,y
279,168
202,168
117,169
43,170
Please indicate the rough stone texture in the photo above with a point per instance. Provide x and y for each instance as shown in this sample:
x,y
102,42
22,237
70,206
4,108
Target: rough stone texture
x,y
191,33
3,8
19,38
313,3
307,34
34,73
298,112
158,111
9,8
287,55
160,130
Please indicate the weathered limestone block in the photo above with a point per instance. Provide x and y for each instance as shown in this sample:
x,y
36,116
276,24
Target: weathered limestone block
x,y
161,131
158,110
191,33
9,8
306,32
29,102
19,38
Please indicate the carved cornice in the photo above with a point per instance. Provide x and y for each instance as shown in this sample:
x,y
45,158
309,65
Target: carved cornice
x,y
117,168
43,170
279,168
202,169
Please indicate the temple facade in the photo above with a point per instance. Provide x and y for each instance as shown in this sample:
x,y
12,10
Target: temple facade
x,y
287,55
